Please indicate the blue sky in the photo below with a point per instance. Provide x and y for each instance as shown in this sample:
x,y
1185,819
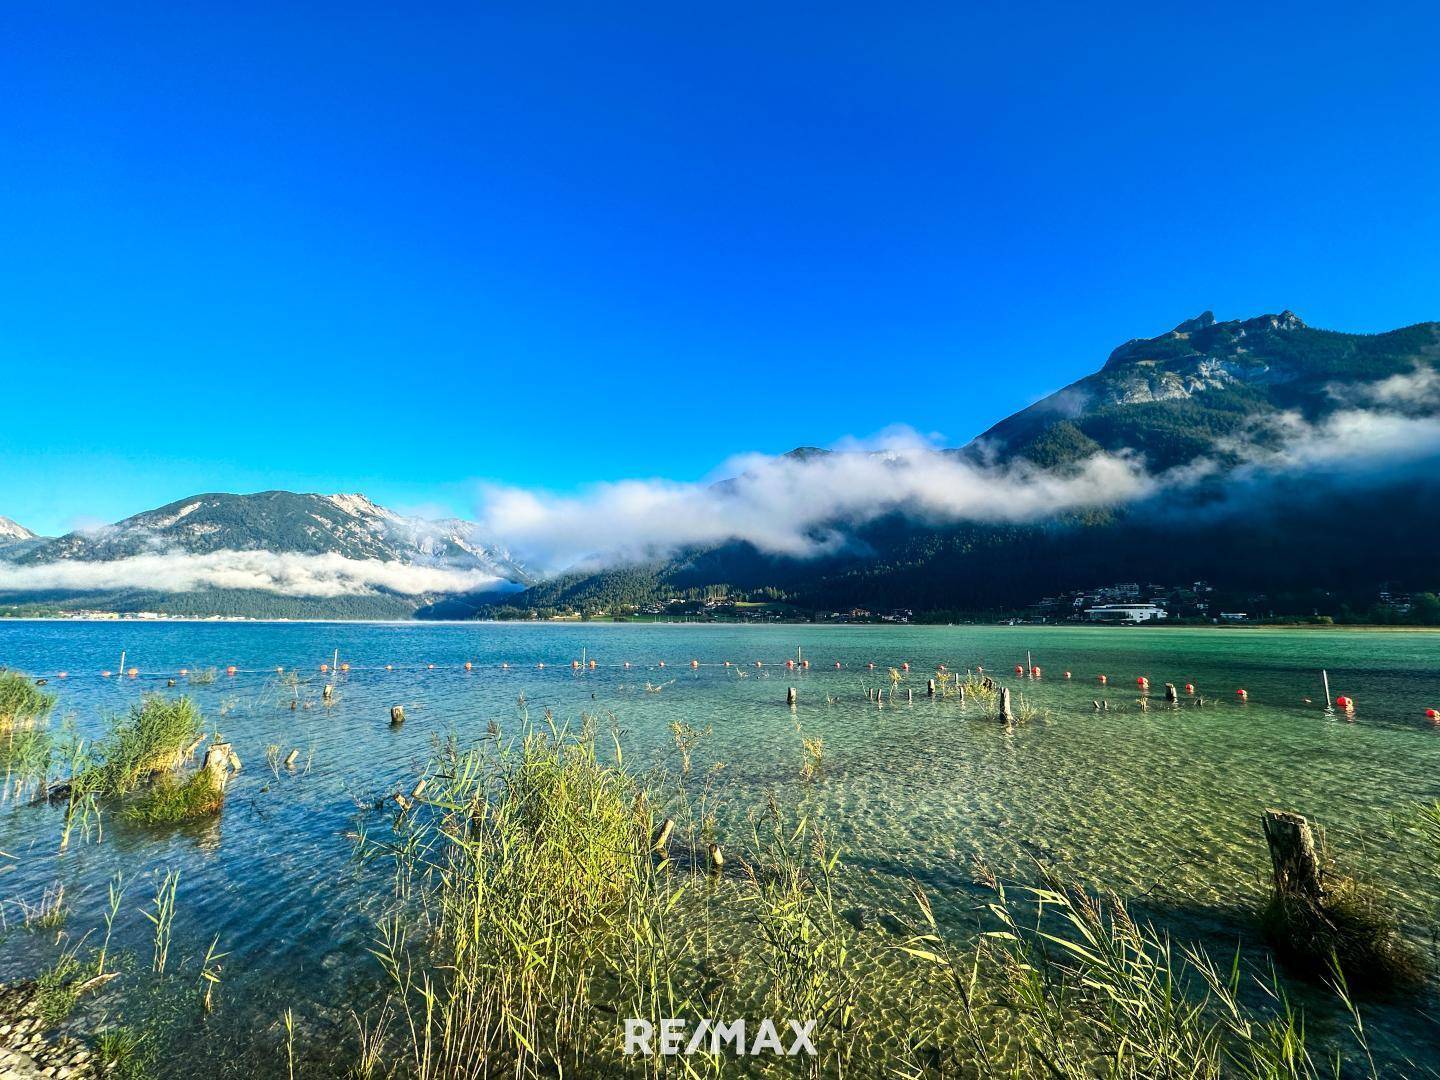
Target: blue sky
x,y
407,249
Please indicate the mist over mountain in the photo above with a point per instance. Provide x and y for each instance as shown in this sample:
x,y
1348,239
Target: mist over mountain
x,y
1263,454
271,553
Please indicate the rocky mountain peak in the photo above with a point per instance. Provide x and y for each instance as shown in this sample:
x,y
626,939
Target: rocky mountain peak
x,y
13,530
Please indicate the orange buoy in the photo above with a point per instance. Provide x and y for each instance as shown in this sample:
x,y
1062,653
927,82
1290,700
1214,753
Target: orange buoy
x,y
1243,695
324,668
694,663
905,666
789,663
230,670
592,665
805,664
1035,672
1189,688
1104,679
184,671
575,665
133,672
468,665
1019,670
63,675
104,674
1346,703
344,667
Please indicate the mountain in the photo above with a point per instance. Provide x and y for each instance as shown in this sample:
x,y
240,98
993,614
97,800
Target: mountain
x,y
1175,397
15,539
275,553
1199,407
11,531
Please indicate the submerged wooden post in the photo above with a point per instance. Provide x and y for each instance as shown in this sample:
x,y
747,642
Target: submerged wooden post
x,y
1292,854
790,697
661,839
717,859
910,696
1171,696
290,758
960,691
397,715
328,692
930,688
1006,716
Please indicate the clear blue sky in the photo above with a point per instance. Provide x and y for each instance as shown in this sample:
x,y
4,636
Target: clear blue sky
x,y
300,245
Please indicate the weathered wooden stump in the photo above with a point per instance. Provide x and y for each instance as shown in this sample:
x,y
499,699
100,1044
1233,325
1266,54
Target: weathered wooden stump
x,y
1007,717
1293,855
930,688
960,692
717,859
790,697
328,692
290,758
397,715
217,762
1172,697
661,840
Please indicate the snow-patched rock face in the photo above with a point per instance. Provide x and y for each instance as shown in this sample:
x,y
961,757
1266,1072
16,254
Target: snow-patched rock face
x,y
13,530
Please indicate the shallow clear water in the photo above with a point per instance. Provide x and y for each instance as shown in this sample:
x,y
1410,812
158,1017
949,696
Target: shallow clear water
x,y
1163,804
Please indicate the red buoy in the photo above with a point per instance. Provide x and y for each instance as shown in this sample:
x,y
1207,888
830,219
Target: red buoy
x,y
1343,702
1431,713
228,671
837,665
1143,683
1243,695
1035,672
1067,674
694,664
1104,679
324,668
905,666
1189,688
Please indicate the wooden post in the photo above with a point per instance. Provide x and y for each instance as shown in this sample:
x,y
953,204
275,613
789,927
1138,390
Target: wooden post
x,y
717,859
790,697
1006,716
290,759
1171,696
960,690
1292,854
217,763
910,696
328,692
930,688
397,715
661,839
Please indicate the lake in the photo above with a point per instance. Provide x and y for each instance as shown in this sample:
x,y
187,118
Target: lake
x,y
1162,805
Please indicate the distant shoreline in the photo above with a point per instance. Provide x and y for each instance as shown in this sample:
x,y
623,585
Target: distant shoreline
x,y
1364,628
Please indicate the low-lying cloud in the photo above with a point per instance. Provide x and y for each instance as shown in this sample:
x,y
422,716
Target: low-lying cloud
x,y
795,506
323,575
805,506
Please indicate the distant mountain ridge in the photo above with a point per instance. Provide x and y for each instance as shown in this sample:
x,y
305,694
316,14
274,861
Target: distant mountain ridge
x,y
348,527
1188,396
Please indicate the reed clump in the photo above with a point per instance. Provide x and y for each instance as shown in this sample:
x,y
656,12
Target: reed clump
x,y
152,739
1350,931
173,801
21,701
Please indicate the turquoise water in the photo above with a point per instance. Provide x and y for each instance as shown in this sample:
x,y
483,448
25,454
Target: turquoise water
x,y
1160,804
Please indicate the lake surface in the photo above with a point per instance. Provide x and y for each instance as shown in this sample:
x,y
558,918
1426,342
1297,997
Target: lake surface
x,y
1161,804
